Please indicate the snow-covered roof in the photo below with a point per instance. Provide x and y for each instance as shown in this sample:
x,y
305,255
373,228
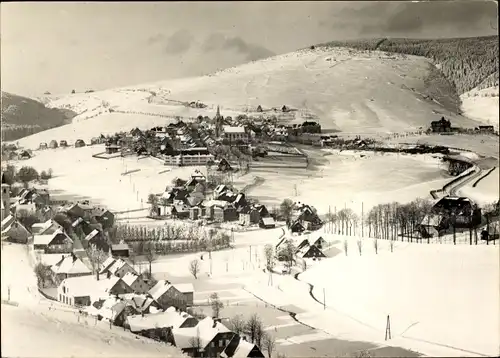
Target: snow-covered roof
x,y
107,264
129,278
70,264
233,129
432,220
159,289
219,203
206,329
89,285
268,221
243,349
184,287
169,318
7,221
50,259
40,228
118,264
92,234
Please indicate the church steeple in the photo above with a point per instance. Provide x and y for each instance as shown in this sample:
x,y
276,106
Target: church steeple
x,y
218,123
217,115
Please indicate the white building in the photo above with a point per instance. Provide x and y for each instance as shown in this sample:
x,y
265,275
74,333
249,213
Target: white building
x,y
235,133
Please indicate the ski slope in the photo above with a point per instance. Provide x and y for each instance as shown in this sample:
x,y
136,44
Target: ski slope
x,y
345,90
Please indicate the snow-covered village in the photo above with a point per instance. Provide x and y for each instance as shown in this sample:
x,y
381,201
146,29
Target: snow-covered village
x,y
316,194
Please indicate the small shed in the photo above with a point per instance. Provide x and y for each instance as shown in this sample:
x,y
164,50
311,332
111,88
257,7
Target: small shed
x,y
53,144
43,145
63,143
267,223
79,143
120,250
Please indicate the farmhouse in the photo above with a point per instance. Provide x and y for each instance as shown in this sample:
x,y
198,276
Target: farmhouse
x,y
167,295
104,217
14,231
118,268
95,239
170,318
141,302
69,266
248,216
440,126
57,242
187,289
112,309
210,338
458,211
310,251
135,282
239,347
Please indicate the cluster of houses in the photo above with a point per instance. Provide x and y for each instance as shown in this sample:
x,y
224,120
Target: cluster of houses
x,y
304,217
119,295
189,200
444,126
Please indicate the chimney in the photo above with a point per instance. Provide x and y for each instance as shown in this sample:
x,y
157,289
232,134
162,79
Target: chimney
x,y
215,322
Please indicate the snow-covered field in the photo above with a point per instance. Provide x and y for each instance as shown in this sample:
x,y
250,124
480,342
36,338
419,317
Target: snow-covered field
x,y
482,105
486,191
442,294
371,93
346,179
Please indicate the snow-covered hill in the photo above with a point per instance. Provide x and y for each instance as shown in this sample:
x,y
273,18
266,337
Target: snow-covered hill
x,y
346,90
482,105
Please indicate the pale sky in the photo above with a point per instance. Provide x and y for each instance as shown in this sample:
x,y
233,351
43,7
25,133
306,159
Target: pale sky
x,y
58,47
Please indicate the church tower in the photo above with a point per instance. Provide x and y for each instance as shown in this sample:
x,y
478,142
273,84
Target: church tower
x,y
218,123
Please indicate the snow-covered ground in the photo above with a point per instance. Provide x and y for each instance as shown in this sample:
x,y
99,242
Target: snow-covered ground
x,y
482,105
345,179
486,191
442,300
371,93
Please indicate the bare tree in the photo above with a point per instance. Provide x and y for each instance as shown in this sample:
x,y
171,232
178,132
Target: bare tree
x,y
269,255
360,246
237,324
268,343
216,304
194,268
346,246
287,254
96,257
286,208
195,342
150,255
153,201
255,329
375,245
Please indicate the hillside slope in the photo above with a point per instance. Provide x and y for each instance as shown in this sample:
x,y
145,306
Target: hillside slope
x,y
345,90
465,62
23,116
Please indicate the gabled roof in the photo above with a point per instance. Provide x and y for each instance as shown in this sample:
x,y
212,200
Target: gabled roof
x,y
47,239
184,287
268,221
70,264
93,234
238,348
7,221
89,285
160,288
120,247
129,278
140,302
207,329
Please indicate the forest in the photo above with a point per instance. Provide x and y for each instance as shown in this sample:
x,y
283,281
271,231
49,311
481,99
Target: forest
x,y
465,62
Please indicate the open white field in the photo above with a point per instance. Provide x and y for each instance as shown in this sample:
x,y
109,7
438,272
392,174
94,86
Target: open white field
x,y
482,105
441,294
31,329
346,179
346,90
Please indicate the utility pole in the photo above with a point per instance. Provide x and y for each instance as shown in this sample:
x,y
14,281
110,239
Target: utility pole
x,y
362,217
388,329
324,299
250,252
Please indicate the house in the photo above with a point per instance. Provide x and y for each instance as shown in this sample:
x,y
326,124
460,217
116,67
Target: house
x,y
179,211
82,290
267,223
136,283
486,129
167,295
78,210
220,189
43,145
69,266
112,148
223,212
187,289
80,224
120,250
63,143
208,338
319,243
310,251
440,126
118,268
239,347
104,217
57,242
248,216
263,212
14,231
197,212
107,264
458,211
235,133
307,216
96,239
296,226
48,227
53,144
